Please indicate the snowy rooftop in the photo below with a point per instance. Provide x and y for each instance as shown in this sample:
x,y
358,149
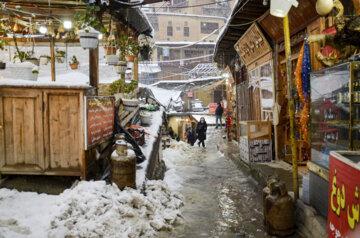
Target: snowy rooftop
x,y
204,69
183,15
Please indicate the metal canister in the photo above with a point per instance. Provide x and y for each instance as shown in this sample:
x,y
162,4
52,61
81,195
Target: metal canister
x,y
121,147
123,169
279,208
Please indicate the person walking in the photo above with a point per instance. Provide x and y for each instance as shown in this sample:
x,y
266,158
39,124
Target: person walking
x,y
218,112
190,134
201,131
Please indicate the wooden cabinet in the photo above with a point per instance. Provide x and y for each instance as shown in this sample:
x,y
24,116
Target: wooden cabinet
x,y
42,130
21,136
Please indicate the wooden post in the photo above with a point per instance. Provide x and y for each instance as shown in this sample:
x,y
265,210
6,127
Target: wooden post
x,y
291,105
136,69
52,54
228,129
94,68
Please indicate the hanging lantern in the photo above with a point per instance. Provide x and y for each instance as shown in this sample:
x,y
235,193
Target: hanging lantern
x,y
61,29
58,36
16,27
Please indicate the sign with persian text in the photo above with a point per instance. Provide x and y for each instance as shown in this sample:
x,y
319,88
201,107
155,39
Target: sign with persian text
x,y
343,205
99,119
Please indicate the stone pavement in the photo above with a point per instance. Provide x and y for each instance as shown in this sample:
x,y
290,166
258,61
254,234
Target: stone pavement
x,y
309,222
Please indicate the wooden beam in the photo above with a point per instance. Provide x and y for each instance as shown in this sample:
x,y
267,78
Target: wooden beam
x,y
52,54
94,68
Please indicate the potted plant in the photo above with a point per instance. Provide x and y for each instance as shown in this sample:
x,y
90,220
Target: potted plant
x,y
29,57
88,21
59,56
74,63
132,51
44,59
110,47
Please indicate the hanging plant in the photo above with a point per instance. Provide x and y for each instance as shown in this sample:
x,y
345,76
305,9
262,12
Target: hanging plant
x,y
110,47
88,21
59,56
145,47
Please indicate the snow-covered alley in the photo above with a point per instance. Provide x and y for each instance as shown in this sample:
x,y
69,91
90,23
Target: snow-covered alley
x,y
204,194
219,199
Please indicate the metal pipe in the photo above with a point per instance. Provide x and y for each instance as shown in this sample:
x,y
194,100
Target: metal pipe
x,y
291,106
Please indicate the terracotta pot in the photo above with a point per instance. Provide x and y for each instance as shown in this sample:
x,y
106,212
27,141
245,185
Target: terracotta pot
x,y
130,58
74,66
110,50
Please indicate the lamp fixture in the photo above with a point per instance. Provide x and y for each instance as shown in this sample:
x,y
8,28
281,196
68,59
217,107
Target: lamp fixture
x,y
100,36
43,29
67,24
280,8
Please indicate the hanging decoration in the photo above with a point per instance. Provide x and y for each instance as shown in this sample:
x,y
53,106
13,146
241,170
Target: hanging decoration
x,y
298,79
305,73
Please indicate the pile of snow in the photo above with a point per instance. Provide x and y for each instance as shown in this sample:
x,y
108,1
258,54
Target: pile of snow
x,y
90,209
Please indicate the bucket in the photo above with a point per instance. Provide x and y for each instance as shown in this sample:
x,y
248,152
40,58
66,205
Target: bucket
x,y
145,118
123,170
280,8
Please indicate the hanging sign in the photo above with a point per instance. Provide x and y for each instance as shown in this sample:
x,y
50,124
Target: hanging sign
x,y
99,116
190,94
344,203
212,107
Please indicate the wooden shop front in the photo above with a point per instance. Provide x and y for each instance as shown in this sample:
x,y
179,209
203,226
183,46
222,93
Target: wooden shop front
x,y
42,130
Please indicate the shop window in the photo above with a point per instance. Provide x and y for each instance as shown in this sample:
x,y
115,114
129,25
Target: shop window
x,y
186,31
262,78
208,27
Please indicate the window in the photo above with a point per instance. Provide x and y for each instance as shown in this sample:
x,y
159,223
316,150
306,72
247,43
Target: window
x,y
178,28
155,23
169,31
208,27
169,23
262,78
186,31
186,23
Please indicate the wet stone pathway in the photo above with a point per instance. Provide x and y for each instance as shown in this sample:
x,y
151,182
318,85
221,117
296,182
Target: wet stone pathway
x,y
219,199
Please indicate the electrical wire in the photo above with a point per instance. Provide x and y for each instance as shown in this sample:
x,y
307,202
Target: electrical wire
x,y
199,5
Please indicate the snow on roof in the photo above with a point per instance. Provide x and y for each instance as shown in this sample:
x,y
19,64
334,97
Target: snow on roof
x,y
164,96
204,69
149,68
183,15
187,81
183,43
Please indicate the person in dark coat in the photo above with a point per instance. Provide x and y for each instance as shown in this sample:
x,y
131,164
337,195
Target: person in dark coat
x,y
191,135
201,131
219,111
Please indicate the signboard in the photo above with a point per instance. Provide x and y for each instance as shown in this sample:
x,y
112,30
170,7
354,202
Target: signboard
x,y
343,206
190,94
99,114
212,107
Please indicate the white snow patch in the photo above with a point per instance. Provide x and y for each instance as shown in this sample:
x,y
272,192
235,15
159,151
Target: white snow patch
x,y
90,209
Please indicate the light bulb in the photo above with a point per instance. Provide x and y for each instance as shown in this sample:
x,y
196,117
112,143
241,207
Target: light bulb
x,y
43,29
67,24
100,36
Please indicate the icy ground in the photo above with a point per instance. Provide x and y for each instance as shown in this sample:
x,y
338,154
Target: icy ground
x,y
90,209
220,200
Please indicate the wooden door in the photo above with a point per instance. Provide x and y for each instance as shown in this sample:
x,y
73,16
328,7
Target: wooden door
x,y
64,131
21,135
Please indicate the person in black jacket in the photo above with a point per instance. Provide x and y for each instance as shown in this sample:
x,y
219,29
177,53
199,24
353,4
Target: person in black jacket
x,y
219,111
201,131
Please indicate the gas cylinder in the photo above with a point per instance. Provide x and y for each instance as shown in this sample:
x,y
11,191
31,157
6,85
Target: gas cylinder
x,y
123,166
266,191
279,208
